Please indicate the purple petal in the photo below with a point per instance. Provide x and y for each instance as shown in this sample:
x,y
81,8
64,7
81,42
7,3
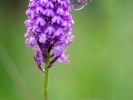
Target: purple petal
x,y
70,37
42,38
50,30
63,58
57,19
49,13
31,41
40,21
49,5
60,11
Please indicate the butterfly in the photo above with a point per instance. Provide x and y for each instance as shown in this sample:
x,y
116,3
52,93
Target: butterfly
x,y
79,4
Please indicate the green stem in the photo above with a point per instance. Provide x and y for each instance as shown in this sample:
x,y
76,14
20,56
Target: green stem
x,y
46,80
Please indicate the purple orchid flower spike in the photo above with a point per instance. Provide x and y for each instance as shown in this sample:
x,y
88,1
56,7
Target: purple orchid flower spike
x,y
49,28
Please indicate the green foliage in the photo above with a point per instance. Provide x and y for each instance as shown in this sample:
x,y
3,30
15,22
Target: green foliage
x,y
101,55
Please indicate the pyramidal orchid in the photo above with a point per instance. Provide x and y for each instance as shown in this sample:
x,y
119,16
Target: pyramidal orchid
x,y
49,28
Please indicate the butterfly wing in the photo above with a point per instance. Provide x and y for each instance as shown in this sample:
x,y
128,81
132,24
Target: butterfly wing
x,y
79,4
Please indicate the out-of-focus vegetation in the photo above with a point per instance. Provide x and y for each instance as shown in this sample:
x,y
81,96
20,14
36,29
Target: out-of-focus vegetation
x,y
101,56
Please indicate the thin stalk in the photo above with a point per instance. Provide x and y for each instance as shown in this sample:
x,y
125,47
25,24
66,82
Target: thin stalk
x,y
46,80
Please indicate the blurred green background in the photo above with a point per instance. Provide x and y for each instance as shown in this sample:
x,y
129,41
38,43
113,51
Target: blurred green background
x,y
101,56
